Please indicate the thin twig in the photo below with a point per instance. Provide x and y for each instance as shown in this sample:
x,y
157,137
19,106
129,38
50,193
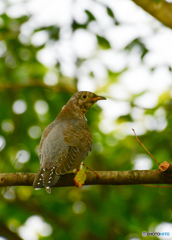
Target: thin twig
x,y
145,147
91,170
156,186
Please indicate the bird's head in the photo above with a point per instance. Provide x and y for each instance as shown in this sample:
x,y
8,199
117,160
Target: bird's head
x,y
83,101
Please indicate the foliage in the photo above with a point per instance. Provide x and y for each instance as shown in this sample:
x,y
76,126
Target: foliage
x,y
28,105
80,178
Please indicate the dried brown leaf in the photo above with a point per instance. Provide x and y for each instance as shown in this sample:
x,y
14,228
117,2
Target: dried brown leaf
x,y
164,166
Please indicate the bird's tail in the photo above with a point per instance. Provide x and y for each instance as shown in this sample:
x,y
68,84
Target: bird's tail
x,y
45,178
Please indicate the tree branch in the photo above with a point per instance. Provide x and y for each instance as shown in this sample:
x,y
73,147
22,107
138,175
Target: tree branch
x,y
56,88
159,9
7,234
106,178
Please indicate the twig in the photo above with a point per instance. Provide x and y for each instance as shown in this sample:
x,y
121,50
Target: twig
x,y
156,186
91,170
145,147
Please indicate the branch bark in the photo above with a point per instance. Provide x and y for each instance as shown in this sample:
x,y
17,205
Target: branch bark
x,y
106,178
34,84
160,9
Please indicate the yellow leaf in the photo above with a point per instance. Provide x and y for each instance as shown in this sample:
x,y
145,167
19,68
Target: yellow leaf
x,y
80,178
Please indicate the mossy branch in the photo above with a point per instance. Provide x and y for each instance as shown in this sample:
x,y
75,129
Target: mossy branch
x,y
159,9
132,177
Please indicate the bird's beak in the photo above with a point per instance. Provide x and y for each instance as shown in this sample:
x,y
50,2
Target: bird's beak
x,y
97,98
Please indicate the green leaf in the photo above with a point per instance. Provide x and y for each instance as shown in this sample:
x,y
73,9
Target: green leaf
x,y
110,13
80,178
90,16
103,42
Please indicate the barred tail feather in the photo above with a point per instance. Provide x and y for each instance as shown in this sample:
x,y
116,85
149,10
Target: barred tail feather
x,y
38,183
45,178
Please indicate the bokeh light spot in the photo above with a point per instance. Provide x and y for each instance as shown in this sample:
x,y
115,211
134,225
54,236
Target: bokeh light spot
x,y
34,132
10,194
3,48
41,107
2,143
164,227
33,227
142,162
84,43
19,106
23,156
24,54
7,125
39,38
3,238
50,78
79,207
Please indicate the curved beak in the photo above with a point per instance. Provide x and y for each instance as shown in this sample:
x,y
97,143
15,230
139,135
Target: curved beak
x,y
97,98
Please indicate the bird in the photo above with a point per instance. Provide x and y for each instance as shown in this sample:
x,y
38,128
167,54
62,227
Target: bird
x,y
66,141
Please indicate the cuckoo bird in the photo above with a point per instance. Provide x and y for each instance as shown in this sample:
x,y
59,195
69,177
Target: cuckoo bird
x,y
66,141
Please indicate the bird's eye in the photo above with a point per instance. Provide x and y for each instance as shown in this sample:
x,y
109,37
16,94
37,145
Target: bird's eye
x,y
84,96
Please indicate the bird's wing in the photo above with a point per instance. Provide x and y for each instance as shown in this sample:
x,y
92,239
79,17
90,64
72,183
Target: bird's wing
x,y
79,141
52,151
79,136
63,149
44,135
60,143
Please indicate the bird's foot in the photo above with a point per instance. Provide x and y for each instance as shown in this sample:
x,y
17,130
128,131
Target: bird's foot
x,y
77,170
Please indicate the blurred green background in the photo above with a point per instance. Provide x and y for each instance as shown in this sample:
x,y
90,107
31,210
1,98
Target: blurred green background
x,y
48,51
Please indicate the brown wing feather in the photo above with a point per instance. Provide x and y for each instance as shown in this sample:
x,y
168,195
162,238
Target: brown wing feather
x,y
75,146
45,134
80,141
